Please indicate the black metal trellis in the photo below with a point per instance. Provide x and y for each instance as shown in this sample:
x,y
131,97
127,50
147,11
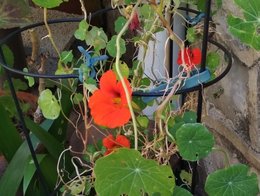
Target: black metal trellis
x,y
198,88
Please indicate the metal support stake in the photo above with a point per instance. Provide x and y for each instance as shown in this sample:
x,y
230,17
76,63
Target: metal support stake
x,y
204,54
23,125
200,93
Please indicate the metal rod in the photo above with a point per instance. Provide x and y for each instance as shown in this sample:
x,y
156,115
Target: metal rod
x,y
204,54
200,93
24,127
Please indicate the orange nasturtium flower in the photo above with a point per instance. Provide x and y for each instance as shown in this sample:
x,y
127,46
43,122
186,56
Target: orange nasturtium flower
x,y
111,143
108,105
192,57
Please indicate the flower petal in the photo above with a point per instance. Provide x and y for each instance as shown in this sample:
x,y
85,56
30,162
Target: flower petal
x,y
122,141
116,118
108,83
196,53
109,141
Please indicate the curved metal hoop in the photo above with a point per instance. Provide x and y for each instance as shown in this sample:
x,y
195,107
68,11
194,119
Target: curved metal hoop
x,y
200,86
143,94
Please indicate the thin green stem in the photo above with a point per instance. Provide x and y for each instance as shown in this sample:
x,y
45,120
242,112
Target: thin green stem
x,y
49,32
117,63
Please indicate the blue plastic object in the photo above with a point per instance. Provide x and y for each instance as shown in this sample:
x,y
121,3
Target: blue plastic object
x,y
89,62
196,79
196,19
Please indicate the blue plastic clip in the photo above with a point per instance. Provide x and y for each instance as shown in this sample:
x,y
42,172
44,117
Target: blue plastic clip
x,y
195,79
89,62
196,19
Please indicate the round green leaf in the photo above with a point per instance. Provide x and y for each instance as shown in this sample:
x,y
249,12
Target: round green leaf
x,y
66,57
143,121
97,38
145,82
232,181
49,105
81,32
247,28
123,69
213,61
111,46
194,141
186,177
48,3
28,78
190,117
77,98
119,23
191,34
127,172
178,191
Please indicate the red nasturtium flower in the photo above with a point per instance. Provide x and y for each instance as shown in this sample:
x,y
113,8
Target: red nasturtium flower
x,y
192,57
108,105
135,23
110,143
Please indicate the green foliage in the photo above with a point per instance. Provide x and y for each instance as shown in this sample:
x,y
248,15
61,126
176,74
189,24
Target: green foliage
x,y
48,3
18,85
189,117
97,38
178,121
232,181
111,46
30,179
247,28
53,146
29,172
124,69
134,174
138,104
186,177
66,57
213,61
124,171
8,104
90,84
81,32
142,121
8,55
127,2
194,141
59,126
191,35
49,105
178,191
10,139
145,82
13,175
30,80
10,181
147,14
62,69
77,98
119,23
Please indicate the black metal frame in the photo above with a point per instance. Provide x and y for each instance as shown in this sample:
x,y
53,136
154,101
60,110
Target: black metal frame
x,y
198,88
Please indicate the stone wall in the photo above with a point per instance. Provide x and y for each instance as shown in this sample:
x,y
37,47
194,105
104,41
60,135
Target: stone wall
x,y
235,113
